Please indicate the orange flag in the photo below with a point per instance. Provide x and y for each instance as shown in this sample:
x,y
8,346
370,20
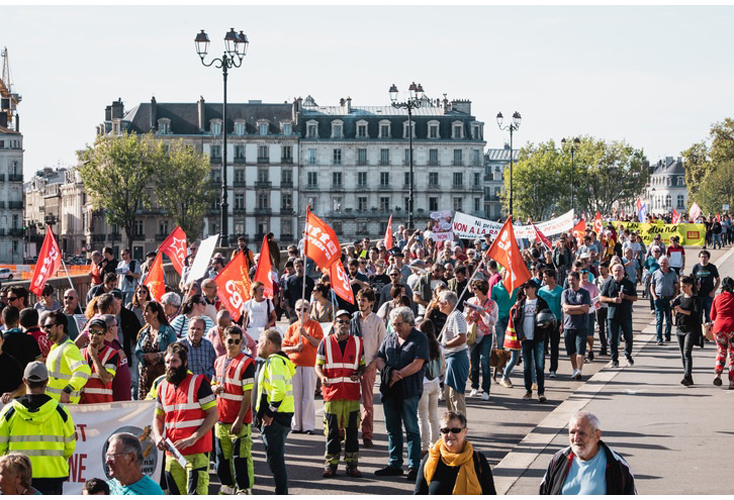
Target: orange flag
x,y
175,248
598,224
388,234
505,251
49,261
264,273
340,282
578,231
156,278
234,285
322,245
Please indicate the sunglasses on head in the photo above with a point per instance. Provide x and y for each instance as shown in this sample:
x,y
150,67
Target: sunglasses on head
x,y
453,430
233,341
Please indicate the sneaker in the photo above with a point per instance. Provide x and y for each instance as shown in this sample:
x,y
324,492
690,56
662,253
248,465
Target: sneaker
x,y
603,352
389,471
412,474
368,443
652,313
541,398
353,472
506,382
612,364
686,382
717,381
660,342
577,375
535,386
528,395
247,491
630,361
591,355
329,470
552,375
474,393
485,396
227,490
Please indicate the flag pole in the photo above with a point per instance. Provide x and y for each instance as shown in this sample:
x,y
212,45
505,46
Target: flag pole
x,y
303,256
468,283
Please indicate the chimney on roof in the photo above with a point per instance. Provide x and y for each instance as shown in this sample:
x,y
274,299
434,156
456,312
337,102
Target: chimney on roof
x,y
461,105
445,105
153,113
202,114
118,109
108,113
668,161
349,105
296,109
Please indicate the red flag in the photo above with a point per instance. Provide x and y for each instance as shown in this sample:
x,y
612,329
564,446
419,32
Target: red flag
x,y
542,237
94,273
578,231
614,211
598,225
388,234
718,217
155,280
340,282
49,261
264,273
694,212
505,251
676,217
321,245
234,285
175,248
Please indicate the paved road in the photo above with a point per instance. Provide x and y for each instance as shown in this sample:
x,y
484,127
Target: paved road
x,y
519,436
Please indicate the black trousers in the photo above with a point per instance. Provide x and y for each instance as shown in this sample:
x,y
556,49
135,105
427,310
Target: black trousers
x,y
601,319
686,343
554,343
49,486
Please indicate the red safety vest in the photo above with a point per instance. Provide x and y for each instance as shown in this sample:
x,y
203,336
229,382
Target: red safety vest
x,y
183,413
229,402
339,368
94,391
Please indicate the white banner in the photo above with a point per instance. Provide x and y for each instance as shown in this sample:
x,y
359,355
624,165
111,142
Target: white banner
x,y
468,227
203,257
95,423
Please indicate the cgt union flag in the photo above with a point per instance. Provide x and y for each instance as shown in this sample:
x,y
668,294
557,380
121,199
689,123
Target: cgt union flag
x,y
340,282
156,278
388,234
505,251
264,273
234,285
175,248
49,261
322,245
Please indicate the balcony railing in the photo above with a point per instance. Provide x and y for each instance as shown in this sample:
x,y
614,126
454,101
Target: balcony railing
x,y
239,159
263,184
287,160
239,184
2,177
98,238
458,163
286,237
286,184
115,237
161,236
16,231
15,177
263,159
239,210
311,187
14,205
215,159
263,210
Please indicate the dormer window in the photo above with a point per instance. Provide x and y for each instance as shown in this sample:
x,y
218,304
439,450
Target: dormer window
x,y
457,130
337,129
385,129
362,129
406,129
164,126
312,129
216,127
262,128
239,128
476,131
433,132
287,129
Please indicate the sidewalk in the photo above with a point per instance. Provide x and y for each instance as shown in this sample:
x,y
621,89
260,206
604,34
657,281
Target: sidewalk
x,y
668,433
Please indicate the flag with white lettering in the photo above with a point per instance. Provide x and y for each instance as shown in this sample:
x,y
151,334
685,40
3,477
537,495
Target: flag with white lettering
x,y
49,261
321,245
234,285
340,282
264,273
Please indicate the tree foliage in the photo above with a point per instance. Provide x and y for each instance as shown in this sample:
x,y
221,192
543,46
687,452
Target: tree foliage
x,y
115,171
702,161
717,188
184,187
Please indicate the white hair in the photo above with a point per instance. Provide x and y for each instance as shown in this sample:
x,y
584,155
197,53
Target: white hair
x,y
663,258
404,313
592,419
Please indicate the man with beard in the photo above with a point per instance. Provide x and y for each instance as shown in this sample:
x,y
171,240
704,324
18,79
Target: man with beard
x,y
183,401
103,362
68,372
72,309
108,265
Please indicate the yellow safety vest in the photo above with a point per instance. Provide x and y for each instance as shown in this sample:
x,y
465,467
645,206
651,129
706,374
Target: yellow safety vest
x,y
275,380
66,367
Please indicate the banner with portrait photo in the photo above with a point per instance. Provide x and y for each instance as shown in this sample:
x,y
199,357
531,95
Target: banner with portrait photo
x,y
441,226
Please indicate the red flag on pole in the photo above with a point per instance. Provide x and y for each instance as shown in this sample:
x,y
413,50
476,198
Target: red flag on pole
x,y
718,217
49,261
322,244
264,272
175,248
543,238
676,217
234,285
505,251
598,225
578,231
340,282
388,234
156,278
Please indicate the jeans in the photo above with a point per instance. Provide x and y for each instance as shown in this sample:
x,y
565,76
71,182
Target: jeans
x,y
613,327
399,414
707,301
662,310
479,355
273,437
685,343
511,364
555,342
499,330
533,355
717,240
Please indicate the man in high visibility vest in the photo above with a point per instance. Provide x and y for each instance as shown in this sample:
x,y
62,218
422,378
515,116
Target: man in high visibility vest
x,y
68,372
340,364
274,404
42,429
234,374
185,412
103,361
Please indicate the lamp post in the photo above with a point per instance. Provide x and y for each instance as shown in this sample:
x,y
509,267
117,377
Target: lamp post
x,y
574,145
512,127
414,100
235,49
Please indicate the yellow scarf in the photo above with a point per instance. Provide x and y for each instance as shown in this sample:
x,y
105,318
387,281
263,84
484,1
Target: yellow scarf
x,y
467,482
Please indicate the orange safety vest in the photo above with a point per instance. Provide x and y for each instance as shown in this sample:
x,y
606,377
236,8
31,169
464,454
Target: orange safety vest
x,y
340,367
183,413
229,402
94,391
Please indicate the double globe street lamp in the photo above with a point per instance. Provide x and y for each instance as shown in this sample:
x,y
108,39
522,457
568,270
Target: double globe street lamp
x,y
414,100
235,49
512,127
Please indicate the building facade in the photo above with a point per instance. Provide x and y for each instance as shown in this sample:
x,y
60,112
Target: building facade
x,y
355,163
496,160
667,187
11,196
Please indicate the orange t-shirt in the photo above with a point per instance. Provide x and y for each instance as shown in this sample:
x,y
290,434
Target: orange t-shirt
x,y
307,357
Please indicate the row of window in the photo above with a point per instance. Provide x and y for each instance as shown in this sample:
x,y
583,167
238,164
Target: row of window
x,y
386,204
312,179
385,130
659,203
263,202
10,144
263,153
263,176
668,181
215,127
337,157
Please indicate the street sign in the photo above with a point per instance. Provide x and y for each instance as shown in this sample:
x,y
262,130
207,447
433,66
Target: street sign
x,y
725,207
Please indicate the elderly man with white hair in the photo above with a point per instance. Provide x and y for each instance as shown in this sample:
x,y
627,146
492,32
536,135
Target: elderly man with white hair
x,y
124,460
171,302
588,466
663,288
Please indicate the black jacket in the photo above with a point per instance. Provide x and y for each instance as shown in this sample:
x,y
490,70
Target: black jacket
x,y
517,319
620,480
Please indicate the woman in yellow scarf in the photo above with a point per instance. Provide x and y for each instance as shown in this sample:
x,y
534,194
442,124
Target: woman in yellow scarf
x,y
452,467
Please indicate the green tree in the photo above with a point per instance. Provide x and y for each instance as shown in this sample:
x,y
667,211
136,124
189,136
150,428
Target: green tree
x,y
702,160
184,187
717,189
696,162
537,180
116,171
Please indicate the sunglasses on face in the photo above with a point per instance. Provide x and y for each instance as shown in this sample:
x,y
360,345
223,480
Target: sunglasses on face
x,y
343,321
48,326
12,297
453,430
233,341
96,332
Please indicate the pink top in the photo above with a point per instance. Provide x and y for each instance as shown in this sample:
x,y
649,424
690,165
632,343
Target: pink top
x,y
216,339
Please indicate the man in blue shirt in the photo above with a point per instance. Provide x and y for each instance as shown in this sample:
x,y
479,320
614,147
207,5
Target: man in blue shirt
x,y
551,293
124,459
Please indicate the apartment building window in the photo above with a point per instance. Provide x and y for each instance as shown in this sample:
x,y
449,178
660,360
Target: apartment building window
x,y
262,128
263,153
361,203
286,176
216,176
432,204
312,157
384,204
239,128
336,203
138,228
433,131
433,179
311,202
458,204
477,157
681,201
239,152
162,227
239,201
407,178
362,179
216,152
286,227
313,179
361,157
263,200
408,206
458,178
477,205
407,129
362,228
286,201
384,179
476,132
458,157
336,179
458,131
477,179
312,131
287,129
216,128
406,157
384,129
286,154
497,192
262,175
336,129
433,157
337,157
384,156
239,175
362,130
338,229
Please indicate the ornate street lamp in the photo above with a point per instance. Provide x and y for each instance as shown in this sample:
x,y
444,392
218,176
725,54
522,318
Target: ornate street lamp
x,y
512,127
235,49
574,145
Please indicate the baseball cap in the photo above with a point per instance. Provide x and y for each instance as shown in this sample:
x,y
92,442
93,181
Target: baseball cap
x,y
116,293
35,372
98,322
342,312
530,283
396,251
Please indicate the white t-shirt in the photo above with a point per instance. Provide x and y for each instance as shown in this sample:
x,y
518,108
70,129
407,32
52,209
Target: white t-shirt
x,y
528,322
257,312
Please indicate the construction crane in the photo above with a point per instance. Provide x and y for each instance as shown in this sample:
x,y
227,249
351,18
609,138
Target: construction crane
x,y
8,99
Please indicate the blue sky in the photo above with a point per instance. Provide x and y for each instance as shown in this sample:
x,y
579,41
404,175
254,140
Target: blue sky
x,y
657,77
